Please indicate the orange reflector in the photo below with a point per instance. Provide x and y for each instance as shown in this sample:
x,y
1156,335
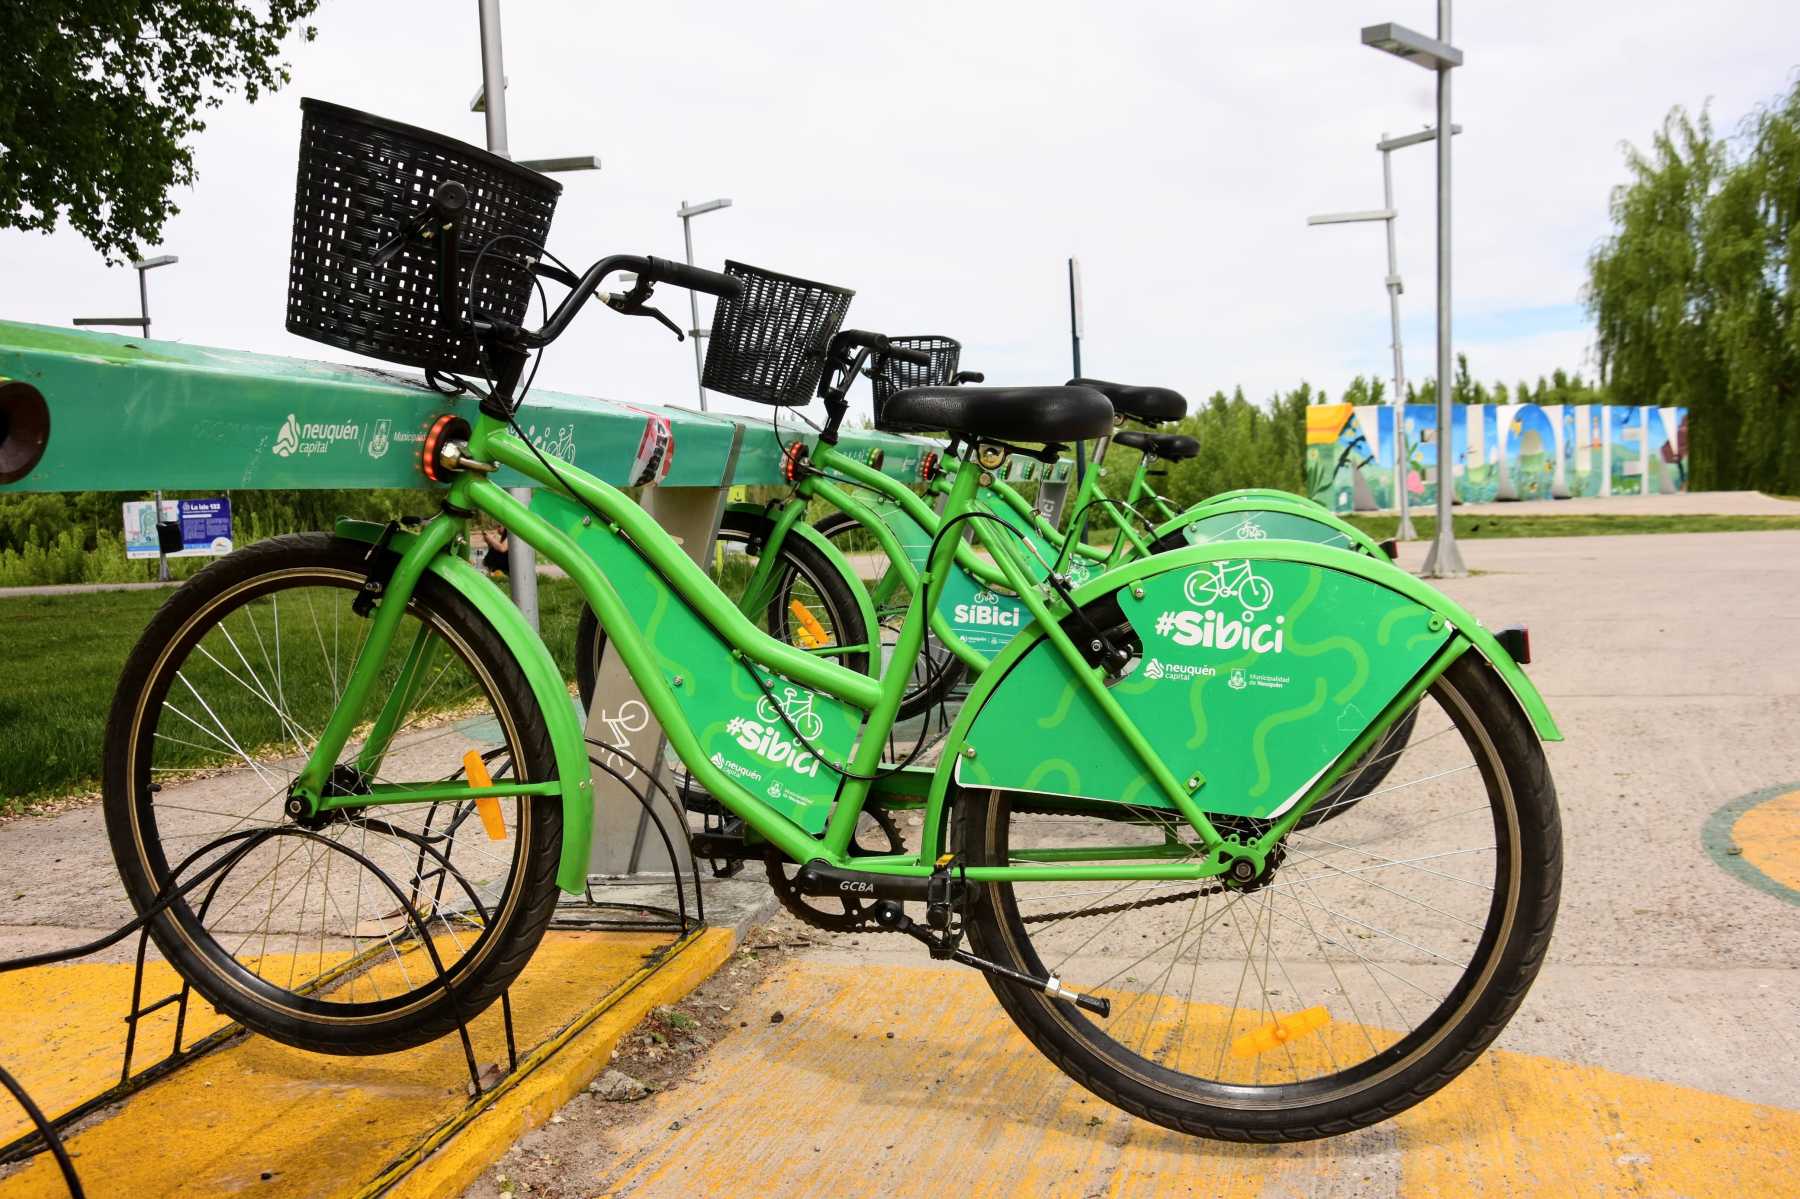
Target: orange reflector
x,y
811,631
488,806
1279,1033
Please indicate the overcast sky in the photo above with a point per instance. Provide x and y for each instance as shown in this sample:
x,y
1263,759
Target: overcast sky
x,y
944,159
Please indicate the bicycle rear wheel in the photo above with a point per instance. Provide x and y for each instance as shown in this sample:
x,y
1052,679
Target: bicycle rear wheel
x,y
1384,953
299,939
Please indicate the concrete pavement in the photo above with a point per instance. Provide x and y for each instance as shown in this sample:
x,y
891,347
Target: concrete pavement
x,y
1656,1054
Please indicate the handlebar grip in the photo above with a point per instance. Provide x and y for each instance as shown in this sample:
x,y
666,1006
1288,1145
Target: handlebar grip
x,y
901,354
661,270
969,377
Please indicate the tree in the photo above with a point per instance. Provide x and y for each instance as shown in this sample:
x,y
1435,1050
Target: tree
x,y
98,99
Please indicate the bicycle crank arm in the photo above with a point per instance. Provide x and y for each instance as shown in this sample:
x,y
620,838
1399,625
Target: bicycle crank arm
x,y
891,916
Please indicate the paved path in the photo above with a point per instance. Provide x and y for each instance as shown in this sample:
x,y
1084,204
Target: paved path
x,y
1655,1056
1692,503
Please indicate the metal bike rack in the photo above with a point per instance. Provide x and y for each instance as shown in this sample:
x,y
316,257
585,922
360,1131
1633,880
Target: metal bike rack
x,y
94,411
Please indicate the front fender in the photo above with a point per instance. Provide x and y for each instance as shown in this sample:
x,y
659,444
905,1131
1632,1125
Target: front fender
x,y
567,740
859,591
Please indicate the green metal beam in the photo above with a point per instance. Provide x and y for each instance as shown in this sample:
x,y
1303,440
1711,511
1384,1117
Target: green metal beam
x,y
128,413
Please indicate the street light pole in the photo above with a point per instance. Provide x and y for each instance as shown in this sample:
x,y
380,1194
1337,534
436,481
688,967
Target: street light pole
x,y
687,212
1445,560
1436,54
521,558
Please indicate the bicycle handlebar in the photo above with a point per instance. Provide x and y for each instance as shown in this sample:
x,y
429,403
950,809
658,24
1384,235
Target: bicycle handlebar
x,y
648,270
876,343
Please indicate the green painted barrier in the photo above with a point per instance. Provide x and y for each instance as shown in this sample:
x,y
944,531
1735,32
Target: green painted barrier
x,y
130,414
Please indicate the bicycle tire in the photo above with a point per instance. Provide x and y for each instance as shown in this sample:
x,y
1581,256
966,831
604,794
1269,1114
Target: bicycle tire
x,y
1511,949
302,1019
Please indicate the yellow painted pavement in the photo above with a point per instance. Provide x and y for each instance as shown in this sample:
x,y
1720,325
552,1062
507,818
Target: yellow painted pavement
x,y
824,1104
1769,835
260,1116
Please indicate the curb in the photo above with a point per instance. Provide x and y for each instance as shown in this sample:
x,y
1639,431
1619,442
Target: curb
x,y
452,1156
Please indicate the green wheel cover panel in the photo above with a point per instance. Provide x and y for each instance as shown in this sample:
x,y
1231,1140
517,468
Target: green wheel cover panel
x,y
1256,675
738,727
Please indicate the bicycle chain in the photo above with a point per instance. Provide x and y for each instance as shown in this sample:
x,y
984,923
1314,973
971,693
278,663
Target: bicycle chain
x,y
1111,908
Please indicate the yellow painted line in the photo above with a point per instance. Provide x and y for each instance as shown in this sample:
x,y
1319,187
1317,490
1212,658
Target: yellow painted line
x,y
959,1103
336,1126
1769,835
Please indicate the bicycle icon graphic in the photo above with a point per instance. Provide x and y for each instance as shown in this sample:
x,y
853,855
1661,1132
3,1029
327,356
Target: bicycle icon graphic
x,y
1222,580
632,717
1251,531
797,706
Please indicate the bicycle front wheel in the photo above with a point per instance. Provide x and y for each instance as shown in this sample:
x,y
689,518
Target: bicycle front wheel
x,y
329,933
1386,950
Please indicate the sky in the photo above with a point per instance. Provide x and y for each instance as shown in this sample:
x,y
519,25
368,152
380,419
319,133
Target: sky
x,y
945,159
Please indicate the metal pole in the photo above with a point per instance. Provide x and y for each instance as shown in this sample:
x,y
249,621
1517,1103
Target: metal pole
x,y
144,299
162,559
1075,314
687,237
1445,560
521,558
1405,531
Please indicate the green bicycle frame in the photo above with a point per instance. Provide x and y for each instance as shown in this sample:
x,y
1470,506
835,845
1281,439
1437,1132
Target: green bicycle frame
x,y
430,549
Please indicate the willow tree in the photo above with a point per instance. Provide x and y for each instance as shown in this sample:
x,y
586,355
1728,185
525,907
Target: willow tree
x,y
1693,293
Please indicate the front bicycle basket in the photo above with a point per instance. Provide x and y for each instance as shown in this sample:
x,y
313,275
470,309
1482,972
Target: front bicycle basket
x,y
362,181
894,375
768,345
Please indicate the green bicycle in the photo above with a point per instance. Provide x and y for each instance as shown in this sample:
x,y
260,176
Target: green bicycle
x,y
1113,829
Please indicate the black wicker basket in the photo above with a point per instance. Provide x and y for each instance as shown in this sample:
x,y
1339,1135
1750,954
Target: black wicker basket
x,y
362,181
768,345
894,375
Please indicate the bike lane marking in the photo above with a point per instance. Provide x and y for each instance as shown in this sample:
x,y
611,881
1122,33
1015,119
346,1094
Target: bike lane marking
x,y
1757,838
958,1103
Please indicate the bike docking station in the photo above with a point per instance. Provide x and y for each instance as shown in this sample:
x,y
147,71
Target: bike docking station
x,y
221,1109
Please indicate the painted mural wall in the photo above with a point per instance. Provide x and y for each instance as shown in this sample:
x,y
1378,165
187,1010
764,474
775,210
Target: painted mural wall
x,y
1498,451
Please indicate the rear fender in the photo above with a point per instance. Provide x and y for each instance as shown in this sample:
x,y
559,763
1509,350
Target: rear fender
x,y
1250,517
567,740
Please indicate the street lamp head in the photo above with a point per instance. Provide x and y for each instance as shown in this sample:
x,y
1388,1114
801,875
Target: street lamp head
x,y
150,264
550,166
691,210
1413,46
1428,134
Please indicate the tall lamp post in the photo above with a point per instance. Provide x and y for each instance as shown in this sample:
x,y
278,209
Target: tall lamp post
x,y
1387,214
143,267
1444,561
687,212
490,101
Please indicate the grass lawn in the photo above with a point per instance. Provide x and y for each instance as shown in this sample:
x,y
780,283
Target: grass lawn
x,y
1574,525
65,653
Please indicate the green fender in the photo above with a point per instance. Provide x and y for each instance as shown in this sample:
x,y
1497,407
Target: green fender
x,y
1460,623
842,565
1254,500
1262,493
567,740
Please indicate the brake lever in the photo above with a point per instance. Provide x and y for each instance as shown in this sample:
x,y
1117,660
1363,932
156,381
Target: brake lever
x,y
631,303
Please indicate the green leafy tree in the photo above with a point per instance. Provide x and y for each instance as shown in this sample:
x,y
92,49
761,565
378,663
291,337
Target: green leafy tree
x,y
99,99
1694,293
